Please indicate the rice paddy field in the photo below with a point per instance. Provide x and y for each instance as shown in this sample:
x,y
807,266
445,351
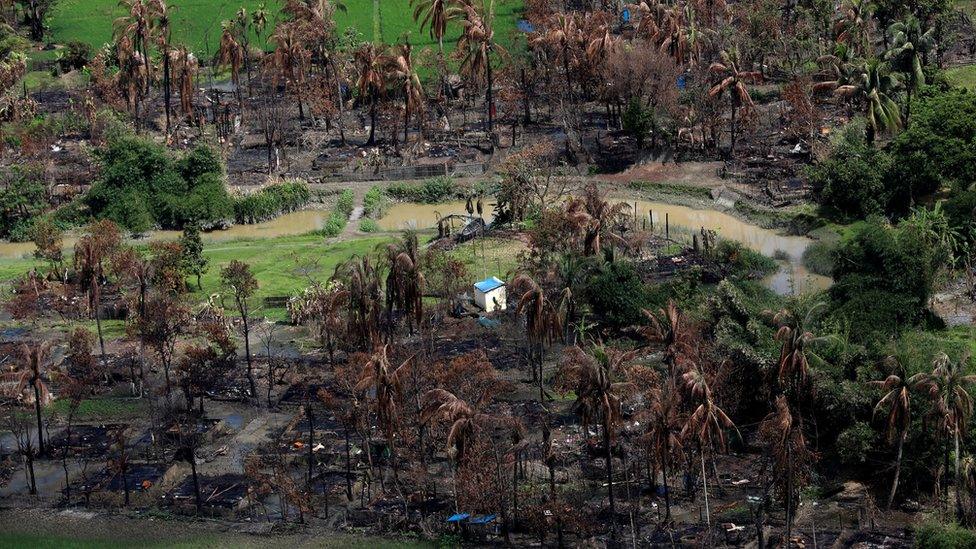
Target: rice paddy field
x,y
197,22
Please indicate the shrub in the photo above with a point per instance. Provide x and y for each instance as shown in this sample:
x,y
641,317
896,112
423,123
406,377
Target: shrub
x,y
75,56
855,443
368,225
346,202
934,535
334,224
271,201
375,203
431,191
741,260
818,258
616,294
142,185
850,181
883,278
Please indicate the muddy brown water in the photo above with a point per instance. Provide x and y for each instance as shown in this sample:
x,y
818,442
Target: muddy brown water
x,y
792,276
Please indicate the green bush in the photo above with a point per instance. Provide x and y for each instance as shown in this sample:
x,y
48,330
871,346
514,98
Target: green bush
x,y
334,224
346,202
616,295
883,279
431,191
855,443
368,225
142,185
741,260
934,535
850,181
271,201
818,258
375,203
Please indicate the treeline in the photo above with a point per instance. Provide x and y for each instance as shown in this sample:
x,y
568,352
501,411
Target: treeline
x,y
271,201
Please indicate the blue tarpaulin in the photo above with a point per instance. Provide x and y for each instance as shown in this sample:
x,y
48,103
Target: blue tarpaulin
x,y
458,517
488,322
625,16
682,82
524,26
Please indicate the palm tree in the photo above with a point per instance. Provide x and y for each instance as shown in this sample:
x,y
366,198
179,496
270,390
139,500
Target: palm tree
x,y
405,283
563,35
35,359
596,216
897,388
137,26
409,82
909,49
782,431
185,67
853,24
663,434
793,332
435,15
159,11
733,81
952,404
873,87
362,280
231,53
707,423
542,325
289,60
671,329
476,45
598,397
372,81
383,381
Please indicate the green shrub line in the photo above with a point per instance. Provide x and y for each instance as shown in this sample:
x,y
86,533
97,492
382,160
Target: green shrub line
x,y
375,203
337,220
430,191
368,225
271,202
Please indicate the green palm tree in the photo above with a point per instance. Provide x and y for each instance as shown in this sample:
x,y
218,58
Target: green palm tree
x,y
873,87
897,387
910,47
952,404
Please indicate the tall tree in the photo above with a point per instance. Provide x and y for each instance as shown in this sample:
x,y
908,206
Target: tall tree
x,y
237,276
896,390
373,72
477,44
35,363
732,82
909,50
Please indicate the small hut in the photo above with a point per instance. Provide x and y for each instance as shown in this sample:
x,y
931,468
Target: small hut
x,y
489,294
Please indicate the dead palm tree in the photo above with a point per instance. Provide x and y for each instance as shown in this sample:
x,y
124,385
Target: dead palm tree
x,y
706,425
443,405
732,81
231,53
542,324
408,80
663,435
289,60
563,36
796,341
896,398
476,46
137,26
160,13
598,397
405,283
373,72
363,282
35,363
670,328
435,16
383,383
596,217
185,67
783,432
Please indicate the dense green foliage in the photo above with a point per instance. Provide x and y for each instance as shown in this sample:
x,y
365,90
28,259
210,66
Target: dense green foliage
x,y
22,196
616,294
142,185
375,203
271,201
883,278
431,191
850,181
937,151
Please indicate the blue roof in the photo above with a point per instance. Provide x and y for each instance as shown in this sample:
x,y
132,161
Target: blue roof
x,y
489,284
458,517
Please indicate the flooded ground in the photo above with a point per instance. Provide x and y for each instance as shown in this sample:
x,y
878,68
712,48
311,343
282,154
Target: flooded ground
x,y
682,220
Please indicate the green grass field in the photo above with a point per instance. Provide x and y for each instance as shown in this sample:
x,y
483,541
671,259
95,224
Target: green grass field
x,y
197,22
964,77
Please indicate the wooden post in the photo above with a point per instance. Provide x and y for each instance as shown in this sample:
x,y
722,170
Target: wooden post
x,y
694,242
650,215
667,225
